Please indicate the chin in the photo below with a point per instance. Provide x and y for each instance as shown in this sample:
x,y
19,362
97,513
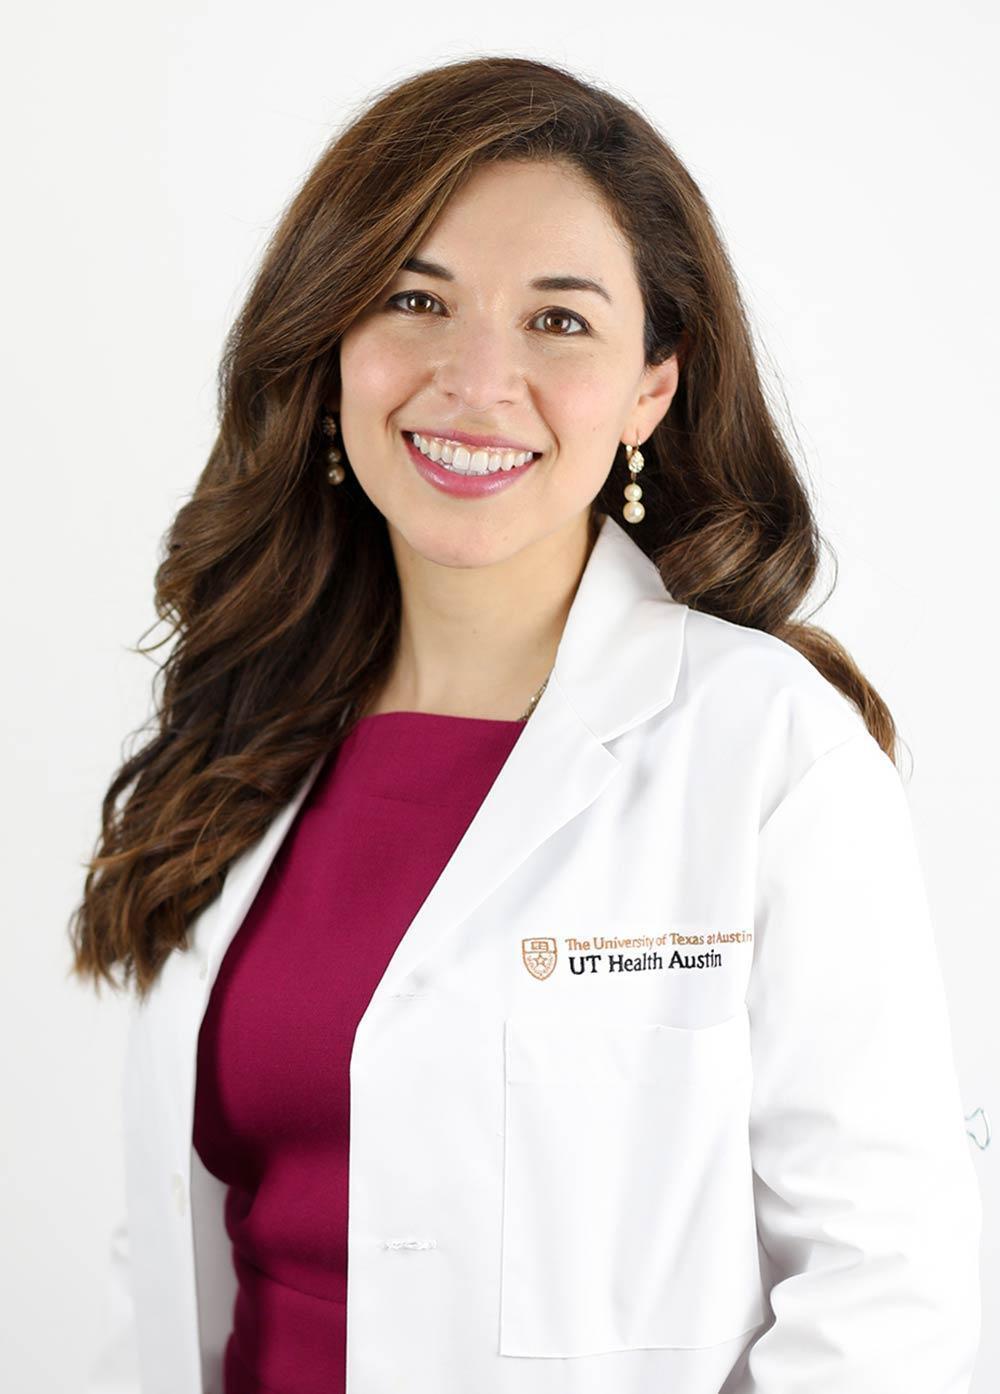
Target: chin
x,y
468,543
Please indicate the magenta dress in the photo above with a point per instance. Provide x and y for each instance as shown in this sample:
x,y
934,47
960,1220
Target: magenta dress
x,y
272,1104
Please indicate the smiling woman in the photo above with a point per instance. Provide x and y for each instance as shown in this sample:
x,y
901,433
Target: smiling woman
x,y
530,852
482,360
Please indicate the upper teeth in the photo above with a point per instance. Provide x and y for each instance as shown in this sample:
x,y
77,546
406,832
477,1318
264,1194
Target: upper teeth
x,y
465,461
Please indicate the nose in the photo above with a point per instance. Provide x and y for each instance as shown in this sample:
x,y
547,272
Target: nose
x,y
481,364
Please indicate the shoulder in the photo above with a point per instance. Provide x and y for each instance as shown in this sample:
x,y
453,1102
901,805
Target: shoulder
x,y
763,703
760,674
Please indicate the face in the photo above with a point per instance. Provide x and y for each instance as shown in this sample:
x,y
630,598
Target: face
x,y
471,347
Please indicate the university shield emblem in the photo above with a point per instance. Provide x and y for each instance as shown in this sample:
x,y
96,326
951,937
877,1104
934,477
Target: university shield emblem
x,y
539,956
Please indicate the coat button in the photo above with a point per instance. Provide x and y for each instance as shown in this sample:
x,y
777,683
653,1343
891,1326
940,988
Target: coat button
x,y
180,1192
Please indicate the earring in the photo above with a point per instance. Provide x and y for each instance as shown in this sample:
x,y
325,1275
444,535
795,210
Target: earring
x,y
335,472
633,512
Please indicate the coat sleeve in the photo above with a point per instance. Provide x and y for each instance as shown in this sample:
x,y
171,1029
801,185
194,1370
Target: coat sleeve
x,y
115,1368
868,1205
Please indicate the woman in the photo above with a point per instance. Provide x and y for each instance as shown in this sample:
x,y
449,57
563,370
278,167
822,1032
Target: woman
x,y
502,823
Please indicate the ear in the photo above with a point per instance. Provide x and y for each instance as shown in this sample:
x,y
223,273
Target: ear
x,y
659,385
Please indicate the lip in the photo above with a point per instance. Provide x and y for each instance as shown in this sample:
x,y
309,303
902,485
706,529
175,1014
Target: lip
x,y
463,438
464,485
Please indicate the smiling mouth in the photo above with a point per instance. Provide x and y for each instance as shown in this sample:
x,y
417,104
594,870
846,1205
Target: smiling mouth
x,y
458,458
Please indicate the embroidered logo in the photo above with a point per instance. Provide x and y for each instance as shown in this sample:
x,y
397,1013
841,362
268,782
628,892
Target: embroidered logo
x,y
600,954
539,956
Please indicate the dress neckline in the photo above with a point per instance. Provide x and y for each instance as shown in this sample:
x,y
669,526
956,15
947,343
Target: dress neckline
x,y
442,716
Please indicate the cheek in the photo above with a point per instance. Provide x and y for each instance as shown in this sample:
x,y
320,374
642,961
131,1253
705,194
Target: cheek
x,y
584,414
374,367
588,393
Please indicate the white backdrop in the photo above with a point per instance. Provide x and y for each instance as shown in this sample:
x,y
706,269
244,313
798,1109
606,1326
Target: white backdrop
x,y
849,152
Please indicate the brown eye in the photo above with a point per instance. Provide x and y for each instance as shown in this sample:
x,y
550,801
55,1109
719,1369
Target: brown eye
x,y
410,295
564,315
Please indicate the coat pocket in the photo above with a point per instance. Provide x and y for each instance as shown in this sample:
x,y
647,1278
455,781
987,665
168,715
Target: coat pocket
x,y
628,1216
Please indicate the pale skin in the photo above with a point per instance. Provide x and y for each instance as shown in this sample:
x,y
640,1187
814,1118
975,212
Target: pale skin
x,y
487,583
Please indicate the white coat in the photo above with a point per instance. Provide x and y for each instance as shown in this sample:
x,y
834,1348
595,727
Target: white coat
x,y
657,1091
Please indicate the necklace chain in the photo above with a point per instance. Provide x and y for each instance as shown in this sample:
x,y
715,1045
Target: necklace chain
x,y
534,701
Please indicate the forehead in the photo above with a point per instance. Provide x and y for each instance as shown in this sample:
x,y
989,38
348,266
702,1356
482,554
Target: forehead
x,y
517,220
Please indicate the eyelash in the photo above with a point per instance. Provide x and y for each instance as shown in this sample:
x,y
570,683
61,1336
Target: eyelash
x,y
554,310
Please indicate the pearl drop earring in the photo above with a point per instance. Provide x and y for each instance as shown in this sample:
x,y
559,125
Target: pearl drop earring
x,y
633,512
335,471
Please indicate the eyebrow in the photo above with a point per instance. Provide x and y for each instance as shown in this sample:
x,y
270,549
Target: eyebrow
x,y
433,268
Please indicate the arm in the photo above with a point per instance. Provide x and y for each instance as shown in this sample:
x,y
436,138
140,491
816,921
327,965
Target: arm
x,y
868,1206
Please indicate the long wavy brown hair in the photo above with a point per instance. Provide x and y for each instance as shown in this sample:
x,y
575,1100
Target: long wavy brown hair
x,y
282,592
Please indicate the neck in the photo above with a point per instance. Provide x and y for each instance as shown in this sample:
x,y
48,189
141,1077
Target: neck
x,y
480,641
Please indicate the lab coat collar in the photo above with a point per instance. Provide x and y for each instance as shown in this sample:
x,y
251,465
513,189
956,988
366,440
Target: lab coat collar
x,y
620,653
